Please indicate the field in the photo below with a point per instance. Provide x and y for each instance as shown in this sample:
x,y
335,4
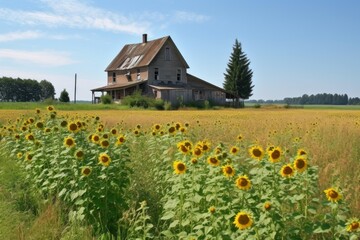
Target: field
x,y
244,182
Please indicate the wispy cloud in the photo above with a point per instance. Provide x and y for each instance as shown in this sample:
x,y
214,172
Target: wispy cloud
x,y
75,14
12,36
45,58
182,16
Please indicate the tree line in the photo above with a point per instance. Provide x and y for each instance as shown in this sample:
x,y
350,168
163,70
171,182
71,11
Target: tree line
x,y
320,98
25,90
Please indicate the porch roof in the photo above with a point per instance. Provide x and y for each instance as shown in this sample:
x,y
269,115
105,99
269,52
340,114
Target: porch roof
x,y
118,86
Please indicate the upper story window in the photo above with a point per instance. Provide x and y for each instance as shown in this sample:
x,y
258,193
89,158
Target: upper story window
x,y
167,54
156,74
178,74
138,77
114,77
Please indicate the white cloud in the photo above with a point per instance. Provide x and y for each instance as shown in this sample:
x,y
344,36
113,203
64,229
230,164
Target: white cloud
x,y
182,16
46,58
12,36
75,14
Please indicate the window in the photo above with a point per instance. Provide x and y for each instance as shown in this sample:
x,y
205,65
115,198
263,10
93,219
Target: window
x,y
138,77
167,54
114,77
156,74
178,74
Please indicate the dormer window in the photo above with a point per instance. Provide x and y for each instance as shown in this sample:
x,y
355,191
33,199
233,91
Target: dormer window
x,y
114,77
167,54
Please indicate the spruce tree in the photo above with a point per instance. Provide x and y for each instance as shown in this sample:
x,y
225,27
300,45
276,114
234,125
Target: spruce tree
x,y
238,76
64,96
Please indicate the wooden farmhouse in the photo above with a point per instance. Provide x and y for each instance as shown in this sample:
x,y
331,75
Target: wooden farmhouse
x,y
158,69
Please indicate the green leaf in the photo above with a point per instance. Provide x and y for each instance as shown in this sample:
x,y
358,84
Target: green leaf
x,y
174,224
62,192
168,215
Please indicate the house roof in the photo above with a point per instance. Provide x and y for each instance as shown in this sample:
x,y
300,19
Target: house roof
x,y
117,86
140,54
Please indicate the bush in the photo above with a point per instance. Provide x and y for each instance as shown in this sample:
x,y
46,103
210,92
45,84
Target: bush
x,y
138,100
106,99
159,104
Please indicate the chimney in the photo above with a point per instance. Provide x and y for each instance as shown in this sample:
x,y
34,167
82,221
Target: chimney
x,y
144,38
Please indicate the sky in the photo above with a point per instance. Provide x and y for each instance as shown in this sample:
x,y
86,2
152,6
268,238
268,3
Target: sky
x,y
295,47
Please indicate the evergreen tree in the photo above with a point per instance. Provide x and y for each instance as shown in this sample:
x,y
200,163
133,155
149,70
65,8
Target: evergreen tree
x,y
238,76
64,96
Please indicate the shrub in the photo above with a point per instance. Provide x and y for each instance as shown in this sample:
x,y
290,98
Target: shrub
x,y
106,99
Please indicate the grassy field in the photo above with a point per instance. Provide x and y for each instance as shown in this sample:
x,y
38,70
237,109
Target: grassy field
x,y
330,136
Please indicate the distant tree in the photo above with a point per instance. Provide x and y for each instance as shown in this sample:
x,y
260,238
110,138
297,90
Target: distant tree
x,y
238,76
47,90
64,96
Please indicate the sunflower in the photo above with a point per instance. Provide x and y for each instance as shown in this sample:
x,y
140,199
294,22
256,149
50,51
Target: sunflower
x,y
239,138
79,154
275,155
29,156
172,130
234,150
69,142
287,171
256,152
39,124
205,146
243,182
50,108
212,209
333,194
104,143
113,131
17,136
31,120
156,127
47,130
213,160
104,159
85,171
30,137
194,160
267,206
37,110
228,171
301,152
120,139
353,224
95,138
243,220
300,164
179,167
19,155
73,127
197,152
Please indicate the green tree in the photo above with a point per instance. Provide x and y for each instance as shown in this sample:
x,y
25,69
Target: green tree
x,y
47,90
64,96
238,75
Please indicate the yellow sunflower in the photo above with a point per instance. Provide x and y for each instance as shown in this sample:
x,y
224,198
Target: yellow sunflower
x,y
104,159
301,152
69,142
256,152
39,124
104,143
197,152
287,171
37,111
267,206
30,137
243,182
352,225
194,160
275,155
333,194
120,139
243,220
179,167
29,156
228,171
184,147
213,160
212,209
73,127
19,155
239,137
50,108
234,150
79,154
113,131
95,138
85,171
300,164
156,127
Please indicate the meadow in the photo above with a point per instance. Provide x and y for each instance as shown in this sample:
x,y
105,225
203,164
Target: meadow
x,y
269,173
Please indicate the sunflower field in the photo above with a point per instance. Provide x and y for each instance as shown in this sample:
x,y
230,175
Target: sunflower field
x,y
163,181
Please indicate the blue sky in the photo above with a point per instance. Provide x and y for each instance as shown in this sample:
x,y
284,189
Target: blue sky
x,y
295,47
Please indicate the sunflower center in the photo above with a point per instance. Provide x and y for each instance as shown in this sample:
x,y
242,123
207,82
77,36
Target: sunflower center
x,y
183,148
79,154
257,152
213,160
300,163
86,171
243,219
233,150
181,167
105,143
333,194
171,129
354,225
69,142
275,154
205,147
104,159
229,170
287,170
197,151
243,182
121,139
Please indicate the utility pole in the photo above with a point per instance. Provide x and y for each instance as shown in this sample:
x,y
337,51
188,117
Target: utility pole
x,y
75,89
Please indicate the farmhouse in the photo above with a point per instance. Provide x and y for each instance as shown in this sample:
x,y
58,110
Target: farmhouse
x,y
158,70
